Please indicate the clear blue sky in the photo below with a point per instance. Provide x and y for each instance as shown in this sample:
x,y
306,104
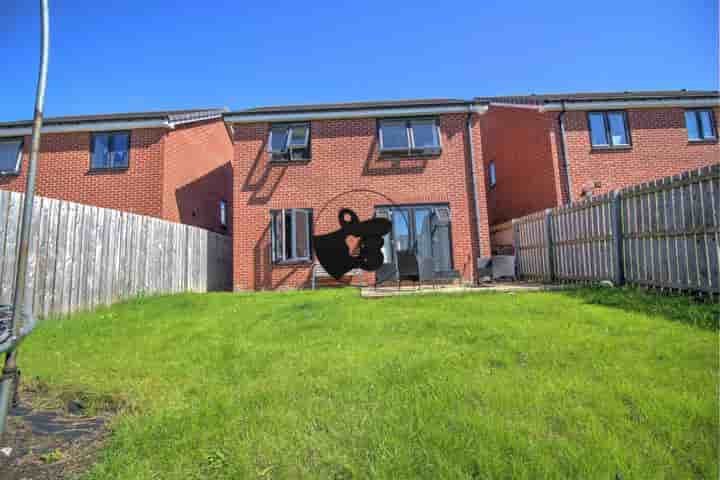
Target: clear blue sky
x,y
145,55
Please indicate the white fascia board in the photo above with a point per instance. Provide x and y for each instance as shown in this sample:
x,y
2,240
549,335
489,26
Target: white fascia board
x,y
87,127
623,104
350,114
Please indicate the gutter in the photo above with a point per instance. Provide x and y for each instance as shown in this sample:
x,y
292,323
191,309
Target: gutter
x,y
621,104
89,127
349,114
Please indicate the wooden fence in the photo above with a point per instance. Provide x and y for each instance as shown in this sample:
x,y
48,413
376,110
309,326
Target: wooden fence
x,y
664,233
83,256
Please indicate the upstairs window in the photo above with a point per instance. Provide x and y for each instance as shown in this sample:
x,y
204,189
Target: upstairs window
x,y
10,156
608,129
491,174
700,125
415,135
223,213
289,142
290,235
110,151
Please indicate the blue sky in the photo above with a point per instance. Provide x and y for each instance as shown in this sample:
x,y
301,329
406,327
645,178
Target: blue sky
x,y
144,55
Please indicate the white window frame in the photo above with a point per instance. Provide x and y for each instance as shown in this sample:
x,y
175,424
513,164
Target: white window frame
x,y
408,123
18,160
287,151
283,258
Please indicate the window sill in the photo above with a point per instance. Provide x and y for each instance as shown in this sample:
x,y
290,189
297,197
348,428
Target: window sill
x,y
9,174
703,141
623,148
304,161
100,171
292,263
392,155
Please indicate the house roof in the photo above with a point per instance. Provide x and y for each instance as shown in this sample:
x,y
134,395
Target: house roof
x,y
541,99
330,107
171,116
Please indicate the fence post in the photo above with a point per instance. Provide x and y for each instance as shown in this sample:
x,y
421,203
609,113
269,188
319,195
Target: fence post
x,y
615,198
549,239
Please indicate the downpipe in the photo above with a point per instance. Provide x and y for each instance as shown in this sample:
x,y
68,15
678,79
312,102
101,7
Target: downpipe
x,y
22,321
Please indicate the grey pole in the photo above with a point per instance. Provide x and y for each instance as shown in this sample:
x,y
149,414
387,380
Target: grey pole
x,y
22,314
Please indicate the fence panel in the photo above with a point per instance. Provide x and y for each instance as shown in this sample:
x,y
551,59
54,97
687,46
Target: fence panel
x,y
82,256
531,247
582,240
664,233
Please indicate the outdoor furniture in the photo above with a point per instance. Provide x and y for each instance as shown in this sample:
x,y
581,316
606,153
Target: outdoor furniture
x,y
426,270
407,266
503,266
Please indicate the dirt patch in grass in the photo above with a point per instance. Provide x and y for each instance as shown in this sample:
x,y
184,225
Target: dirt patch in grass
x,y
54,435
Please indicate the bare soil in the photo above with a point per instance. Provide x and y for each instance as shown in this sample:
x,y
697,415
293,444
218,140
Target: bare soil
x,y
50,437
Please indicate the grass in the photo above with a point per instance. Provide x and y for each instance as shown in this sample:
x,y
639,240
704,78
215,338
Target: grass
x,y
586,384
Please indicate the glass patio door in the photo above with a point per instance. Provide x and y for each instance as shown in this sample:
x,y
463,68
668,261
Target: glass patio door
x,y
423,230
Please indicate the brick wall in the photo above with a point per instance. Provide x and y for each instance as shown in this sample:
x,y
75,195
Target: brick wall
x,y
63,172
345,161
521,144
198,174
660,148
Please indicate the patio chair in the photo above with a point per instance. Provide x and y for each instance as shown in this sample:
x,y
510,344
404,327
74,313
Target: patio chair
x,y
407,266
426,270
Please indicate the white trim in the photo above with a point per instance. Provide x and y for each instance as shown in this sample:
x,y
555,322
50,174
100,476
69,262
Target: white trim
x,y
622,104
515,105
88,127
342,114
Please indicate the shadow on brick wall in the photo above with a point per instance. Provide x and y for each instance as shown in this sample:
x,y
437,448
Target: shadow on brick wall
x,y
198,202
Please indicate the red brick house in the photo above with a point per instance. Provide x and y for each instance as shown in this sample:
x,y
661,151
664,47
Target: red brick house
x,y
172,165
417,162
541,151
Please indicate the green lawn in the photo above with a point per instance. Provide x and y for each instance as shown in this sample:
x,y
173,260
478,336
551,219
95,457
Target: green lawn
x,y
587,384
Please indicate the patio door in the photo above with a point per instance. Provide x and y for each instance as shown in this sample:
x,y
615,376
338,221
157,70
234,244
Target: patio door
x,y
423,230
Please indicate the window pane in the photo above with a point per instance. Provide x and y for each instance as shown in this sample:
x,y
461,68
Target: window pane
x,y
9,151
277,235
298,136
278,139
692,126
617,128
394,135
301,234
288,234
401,229
424,134
119,147
101,150
597,129
492,174
223,213
708,130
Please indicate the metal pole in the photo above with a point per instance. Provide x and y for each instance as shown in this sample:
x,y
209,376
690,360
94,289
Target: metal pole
x,y
22,313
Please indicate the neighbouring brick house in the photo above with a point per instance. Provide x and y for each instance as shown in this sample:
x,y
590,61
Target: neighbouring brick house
x,y
417,162
548,150
172,165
